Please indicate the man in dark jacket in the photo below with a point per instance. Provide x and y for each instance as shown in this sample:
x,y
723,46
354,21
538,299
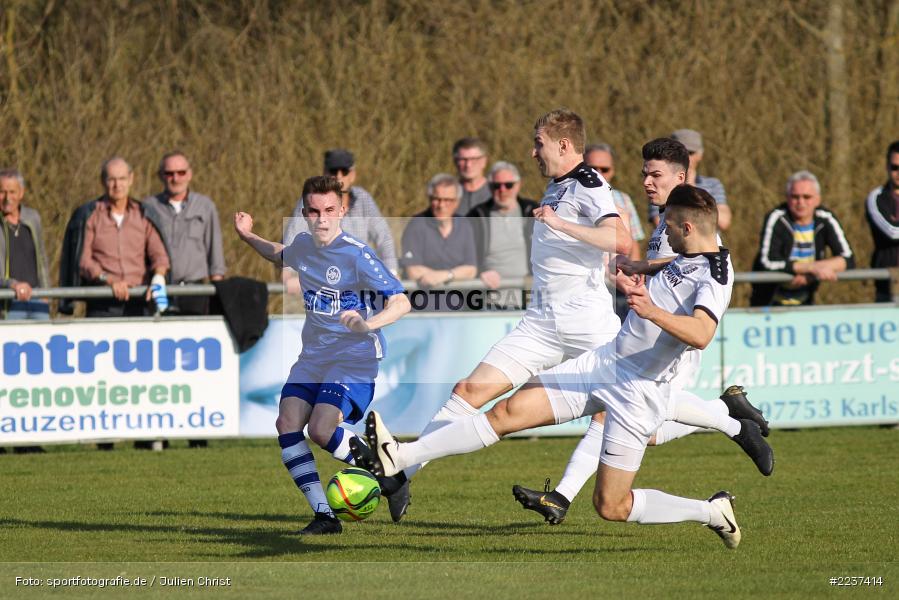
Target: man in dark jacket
x,y
794,239
23,259
882,212
503,239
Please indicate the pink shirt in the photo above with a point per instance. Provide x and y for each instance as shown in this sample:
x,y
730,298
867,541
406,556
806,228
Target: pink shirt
x,y
121,252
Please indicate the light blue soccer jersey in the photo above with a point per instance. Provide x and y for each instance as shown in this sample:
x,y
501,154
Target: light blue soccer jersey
x,y
344,275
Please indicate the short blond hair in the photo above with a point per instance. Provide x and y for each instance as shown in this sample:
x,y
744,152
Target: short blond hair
x,y
564,123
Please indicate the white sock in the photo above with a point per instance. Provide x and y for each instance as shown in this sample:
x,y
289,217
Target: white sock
x,y
690,409
652,507
460,437
339,445
455,409
583,462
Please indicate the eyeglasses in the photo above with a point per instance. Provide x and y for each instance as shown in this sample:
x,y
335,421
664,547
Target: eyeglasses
x,y
467,159
179,173
502,184
801,197
894,167
342,172
603,170
443,199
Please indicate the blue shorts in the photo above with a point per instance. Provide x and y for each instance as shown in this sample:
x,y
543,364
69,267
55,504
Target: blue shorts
x,y
349,389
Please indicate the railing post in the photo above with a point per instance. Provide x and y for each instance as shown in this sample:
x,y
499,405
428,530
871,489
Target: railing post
x,y
894,284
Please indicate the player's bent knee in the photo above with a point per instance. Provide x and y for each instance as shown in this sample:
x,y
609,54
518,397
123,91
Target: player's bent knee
x,y
321,433
284,424
470,392
610,510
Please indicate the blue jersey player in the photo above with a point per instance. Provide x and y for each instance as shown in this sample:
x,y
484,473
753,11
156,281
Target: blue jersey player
x,y
343,284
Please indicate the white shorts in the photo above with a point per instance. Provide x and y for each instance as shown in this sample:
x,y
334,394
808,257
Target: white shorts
x,y
549,334
635,406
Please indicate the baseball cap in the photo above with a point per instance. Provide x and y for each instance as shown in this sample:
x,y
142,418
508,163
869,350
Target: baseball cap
x,y
691,139
338,158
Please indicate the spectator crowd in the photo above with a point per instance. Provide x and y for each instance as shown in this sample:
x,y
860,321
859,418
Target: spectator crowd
x,y
475,226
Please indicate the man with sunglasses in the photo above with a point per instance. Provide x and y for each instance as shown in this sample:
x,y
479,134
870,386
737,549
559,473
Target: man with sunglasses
x,y
601,157
470,158
363,220
692,140
794,239
503,232
189,224
438,243
882,212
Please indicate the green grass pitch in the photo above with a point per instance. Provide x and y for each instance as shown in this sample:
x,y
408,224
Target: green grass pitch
x,y
831,509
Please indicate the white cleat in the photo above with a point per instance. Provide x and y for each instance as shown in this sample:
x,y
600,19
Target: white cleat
x,y
723,522
385,447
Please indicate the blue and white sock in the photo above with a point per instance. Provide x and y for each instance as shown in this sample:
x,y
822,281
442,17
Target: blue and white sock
x,y
339,445
297,457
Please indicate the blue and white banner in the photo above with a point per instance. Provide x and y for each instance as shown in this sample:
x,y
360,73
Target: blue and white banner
x,y
813,367
117,379
809,367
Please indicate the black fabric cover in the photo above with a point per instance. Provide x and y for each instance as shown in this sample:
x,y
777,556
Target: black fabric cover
x,y
244,304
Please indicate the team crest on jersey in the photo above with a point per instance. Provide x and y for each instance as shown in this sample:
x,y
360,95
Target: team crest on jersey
x,y
332,275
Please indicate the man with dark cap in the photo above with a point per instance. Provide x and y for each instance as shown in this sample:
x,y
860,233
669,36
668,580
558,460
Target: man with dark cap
x,y
692,140
363,219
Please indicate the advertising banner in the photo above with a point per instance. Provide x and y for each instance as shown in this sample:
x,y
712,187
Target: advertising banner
x,y
809,367
803,367
117,379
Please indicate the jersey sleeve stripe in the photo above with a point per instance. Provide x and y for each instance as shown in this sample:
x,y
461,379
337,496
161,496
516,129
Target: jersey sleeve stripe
x,y
771,265
844,243
891,231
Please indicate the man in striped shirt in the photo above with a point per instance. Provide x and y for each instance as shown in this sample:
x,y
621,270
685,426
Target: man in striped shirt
x,y
794,239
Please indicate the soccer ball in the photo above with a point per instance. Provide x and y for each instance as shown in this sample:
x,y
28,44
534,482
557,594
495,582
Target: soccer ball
x,y
353,494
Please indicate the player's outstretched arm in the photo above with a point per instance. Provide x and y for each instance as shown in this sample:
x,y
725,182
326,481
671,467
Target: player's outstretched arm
x,y
696,330
649,266
397,306
271,251
609,234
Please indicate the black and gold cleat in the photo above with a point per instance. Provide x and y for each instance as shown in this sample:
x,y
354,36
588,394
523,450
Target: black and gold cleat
x,y
739,407
754,445
551,504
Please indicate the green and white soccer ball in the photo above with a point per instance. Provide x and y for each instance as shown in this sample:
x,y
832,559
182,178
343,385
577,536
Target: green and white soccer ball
x,y
353,494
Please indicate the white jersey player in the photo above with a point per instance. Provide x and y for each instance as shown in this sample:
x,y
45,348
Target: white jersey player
x,y
664,167
570,310
629,377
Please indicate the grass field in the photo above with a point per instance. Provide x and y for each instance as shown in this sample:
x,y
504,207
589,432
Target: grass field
x,y
831,509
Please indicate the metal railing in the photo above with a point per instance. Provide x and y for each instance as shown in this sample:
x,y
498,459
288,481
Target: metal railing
x,y
81,293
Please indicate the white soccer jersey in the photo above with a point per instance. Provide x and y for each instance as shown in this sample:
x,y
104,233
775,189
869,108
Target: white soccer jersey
x,y
564,267
658,242
690,282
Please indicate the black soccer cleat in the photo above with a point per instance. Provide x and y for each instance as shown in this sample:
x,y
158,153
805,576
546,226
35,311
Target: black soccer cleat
x,y
394,488
739,407
754,445
551,504
362,455
322,524
399,499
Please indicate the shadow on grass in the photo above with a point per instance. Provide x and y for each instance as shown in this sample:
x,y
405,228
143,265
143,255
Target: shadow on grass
x,y
258,543
423,528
